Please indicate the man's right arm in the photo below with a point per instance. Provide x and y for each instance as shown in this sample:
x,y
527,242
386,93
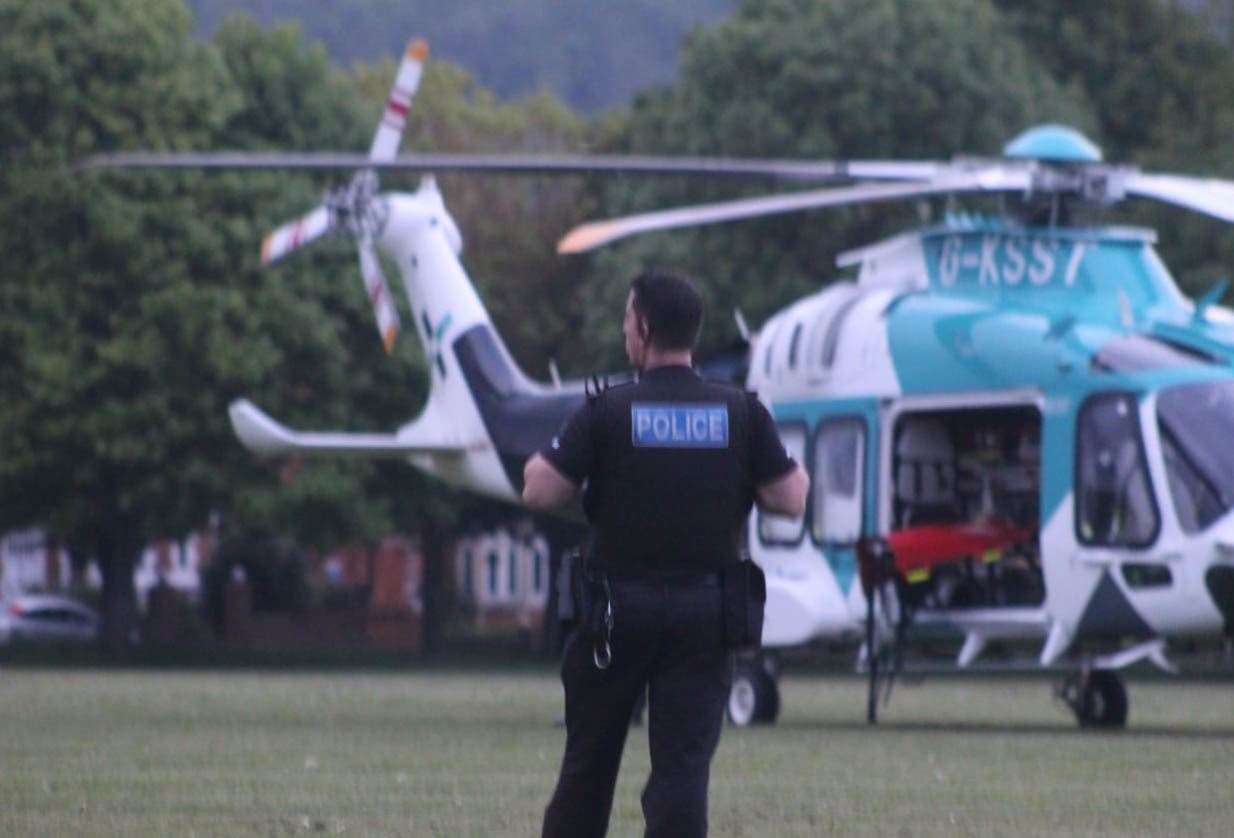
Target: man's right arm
x,y
553,476
785,495
780,484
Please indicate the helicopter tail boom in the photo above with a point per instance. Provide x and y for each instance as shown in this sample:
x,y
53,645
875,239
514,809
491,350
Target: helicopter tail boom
x,y
262,434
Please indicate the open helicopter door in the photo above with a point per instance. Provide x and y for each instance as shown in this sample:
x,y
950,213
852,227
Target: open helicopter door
x,y
958,552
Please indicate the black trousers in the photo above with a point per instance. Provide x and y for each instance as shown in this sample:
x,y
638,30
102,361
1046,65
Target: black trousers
x,y
667,639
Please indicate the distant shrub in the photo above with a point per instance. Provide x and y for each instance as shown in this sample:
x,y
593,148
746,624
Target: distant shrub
x,y
276,571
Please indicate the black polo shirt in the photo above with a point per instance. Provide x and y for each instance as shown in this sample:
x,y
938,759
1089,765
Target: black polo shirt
x,y
670,465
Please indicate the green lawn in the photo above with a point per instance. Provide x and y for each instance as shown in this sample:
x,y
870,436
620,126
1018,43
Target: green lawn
x,y
434,753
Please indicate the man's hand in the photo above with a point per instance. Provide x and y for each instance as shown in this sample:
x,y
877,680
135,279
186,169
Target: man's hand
x,y
544,487
785,495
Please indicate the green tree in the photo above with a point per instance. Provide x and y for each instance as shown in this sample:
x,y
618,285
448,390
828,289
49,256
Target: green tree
x,y
1159,79
133,308
592,57
803,79
87,270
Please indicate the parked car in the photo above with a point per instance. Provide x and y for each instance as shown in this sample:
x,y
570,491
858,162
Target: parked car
x,y
45,617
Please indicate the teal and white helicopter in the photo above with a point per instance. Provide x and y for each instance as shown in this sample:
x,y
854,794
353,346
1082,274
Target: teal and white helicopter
x,y
1018,429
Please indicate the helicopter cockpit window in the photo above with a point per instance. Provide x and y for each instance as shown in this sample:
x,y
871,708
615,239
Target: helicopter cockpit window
x,y
1114,496
839,449
778,529
1197,422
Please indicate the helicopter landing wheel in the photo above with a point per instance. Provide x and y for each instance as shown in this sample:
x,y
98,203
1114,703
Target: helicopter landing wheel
x,y
1098,698
754,697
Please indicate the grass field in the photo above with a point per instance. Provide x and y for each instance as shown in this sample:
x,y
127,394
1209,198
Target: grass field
x,y
475,753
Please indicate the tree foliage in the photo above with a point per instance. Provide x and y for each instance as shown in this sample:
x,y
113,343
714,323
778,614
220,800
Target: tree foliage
x,y
134,300
593,56
1158,80
802,79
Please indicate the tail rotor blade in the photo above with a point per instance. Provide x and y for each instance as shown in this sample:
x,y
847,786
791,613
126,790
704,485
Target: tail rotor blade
x,y
406,81
296,234
378,291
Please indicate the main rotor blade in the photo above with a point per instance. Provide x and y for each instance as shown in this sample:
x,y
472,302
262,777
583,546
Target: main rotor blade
x,y
378,291
595,234
531,164
1207,195
295,234
390,130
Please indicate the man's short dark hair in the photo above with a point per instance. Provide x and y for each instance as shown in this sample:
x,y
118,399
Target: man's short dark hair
x,y
672,307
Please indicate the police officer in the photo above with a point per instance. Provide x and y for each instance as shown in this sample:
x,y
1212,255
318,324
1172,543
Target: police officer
x,y
670,466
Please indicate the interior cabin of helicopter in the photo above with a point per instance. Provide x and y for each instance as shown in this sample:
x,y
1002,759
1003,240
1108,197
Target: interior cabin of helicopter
x,y
968,469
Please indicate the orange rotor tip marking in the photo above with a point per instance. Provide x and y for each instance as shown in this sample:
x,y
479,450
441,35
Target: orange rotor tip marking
x,y
584,238
418,49
388,337
266,245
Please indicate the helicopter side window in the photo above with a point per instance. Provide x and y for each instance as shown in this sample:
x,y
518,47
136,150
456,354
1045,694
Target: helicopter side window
x,y
793,344
1114,497
767,354
779,529
832,341
839,455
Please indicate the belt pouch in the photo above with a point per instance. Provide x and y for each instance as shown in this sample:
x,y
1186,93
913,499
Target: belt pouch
x,y
588,598
567,576
744,597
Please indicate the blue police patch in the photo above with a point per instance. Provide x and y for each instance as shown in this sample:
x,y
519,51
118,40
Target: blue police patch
x,y
661,425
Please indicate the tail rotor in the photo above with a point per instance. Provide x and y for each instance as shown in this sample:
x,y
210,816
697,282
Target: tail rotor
x,y
296,234
356,208
406,81
378,292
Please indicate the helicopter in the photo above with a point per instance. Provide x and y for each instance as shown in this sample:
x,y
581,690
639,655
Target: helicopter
x,y
1014,425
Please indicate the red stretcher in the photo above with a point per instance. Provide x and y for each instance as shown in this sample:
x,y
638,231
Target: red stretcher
x,y
918,550
915,551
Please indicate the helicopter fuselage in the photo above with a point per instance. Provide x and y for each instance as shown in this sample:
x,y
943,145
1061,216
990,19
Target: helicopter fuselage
x,y
1053,378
